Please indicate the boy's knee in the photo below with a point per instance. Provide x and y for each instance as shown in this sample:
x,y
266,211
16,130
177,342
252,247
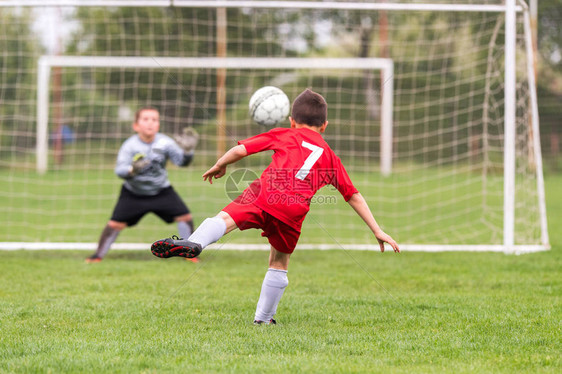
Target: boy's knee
x,y
115,225
228,220
184,218
277,278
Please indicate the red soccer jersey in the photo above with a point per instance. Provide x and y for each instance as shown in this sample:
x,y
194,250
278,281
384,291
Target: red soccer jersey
x,y
302,163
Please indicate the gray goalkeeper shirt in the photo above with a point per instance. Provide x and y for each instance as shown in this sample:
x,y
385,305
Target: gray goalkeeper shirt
x,y
155,177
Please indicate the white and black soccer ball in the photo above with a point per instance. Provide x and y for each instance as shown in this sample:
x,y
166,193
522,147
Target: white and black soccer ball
x,y
269,106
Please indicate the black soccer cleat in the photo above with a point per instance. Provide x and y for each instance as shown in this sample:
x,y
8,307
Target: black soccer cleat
x,y
271,322
175,246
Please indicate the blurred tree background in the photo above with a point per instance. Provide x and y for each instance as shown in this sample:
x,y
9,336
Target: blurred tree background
x,y
18,58
167,32
549,79
295,37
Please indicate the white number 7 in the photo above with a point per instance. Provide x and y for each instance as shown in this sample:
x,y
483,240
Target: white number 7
x,y
310,160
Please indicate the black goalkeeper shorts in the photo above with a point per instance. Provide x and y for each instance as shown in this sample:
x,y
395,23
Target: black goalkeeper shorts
x,y
130,208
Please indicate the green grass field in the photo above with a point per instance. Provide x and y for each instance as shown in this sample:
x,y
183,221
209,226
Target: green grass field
x,y
418,205
344,311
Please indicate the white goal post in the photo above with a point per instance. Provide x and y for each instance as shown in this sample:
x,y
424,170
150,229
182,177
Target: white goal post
x,y
455,166
45,64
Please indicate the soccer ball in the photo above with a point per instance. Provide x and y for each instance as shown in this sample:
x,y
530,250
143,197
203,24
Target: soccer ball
x,y
269,106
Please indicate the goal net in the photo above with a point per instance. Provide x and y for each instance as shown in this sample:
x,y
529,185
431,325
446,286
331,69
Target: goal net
x,y
417,113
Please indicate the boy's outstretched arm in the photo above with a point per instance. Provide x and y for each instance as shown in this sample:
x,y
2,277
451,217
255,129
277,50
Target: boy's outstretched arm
x,y
359,204
219,169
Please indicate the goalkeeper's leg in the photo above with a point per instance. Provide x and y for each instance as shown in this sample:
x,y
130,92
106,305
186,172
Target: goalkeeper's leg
x,y
185,225
185,229
107,238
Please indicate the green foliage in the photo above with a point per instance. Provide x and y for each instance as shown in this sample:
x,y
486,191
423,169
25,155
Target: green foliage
x,y
17,66
549,69
550,32
135,32
163,32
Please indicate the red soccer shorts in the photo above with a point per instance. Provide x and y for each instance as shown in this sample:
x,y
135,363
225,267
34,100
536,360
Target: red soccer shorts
x,y
281,236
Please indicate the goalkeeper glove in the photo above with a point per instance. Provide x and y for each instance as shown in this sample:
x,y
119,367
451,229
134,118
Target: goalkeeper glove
x,y
140,164
188,140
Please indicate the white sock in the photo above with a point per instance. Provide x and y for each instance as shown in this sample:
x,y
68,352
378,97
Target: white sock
x,y
272,289
211,230
184,229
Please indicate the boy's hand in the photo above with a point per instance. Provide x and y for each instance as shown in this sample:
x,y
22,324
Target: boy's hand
x,y
215,172
140,164
188,140
383,237
219,169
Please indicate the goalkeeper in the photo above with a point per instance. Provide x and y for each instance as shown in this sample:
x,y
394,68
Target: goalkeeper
x,y
141,162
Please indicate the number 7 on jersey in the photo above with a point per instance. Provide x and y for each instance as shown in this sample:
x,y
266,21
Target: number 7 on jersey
x,y
310,160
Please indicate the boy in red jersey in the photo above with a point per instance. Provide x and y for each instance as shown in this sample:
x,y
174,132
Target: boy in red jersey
x,y
279,200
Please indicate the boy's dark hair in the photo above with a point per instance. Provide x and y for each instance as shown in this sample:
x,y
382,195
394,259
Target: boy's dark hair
x,y
310,108
138,112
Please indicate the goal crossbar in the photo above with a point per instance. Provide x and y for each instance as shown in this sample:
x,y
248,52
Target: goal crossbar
x,y
337,5
385,65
